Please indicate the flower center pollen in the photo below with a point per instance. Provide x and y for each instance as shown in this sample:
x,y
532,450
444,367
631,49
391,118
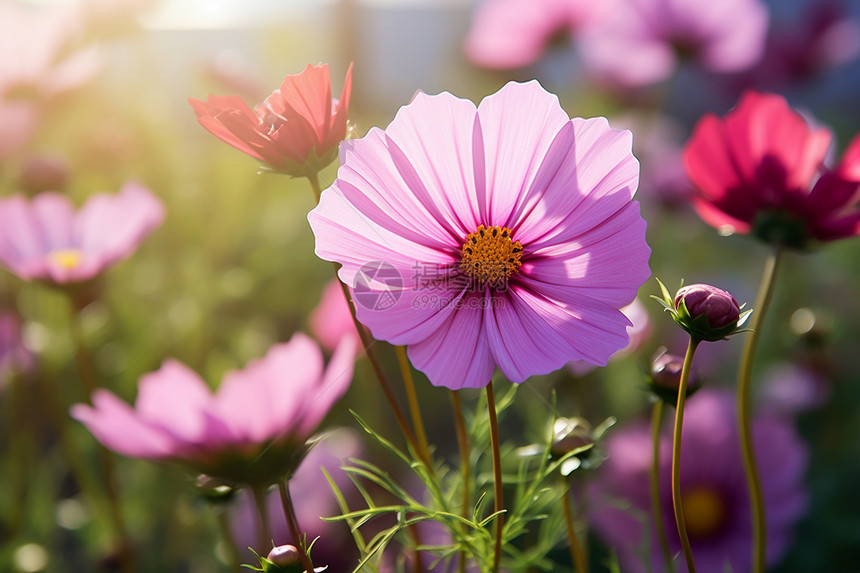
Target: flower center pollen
x,y
704,512
66,258
489,256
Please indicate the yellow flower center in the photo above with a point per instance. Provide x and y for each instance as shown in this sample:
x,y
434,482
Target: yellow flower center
x,y
704,512
489,255
66,258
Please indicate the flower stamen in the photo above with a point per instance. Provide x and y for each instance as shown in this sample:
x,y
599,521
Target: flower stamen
x,y
66,258
490,256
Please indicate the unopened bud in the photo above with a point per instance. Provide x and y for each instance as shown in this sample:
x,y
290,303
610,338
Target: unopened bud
x,y
284,555
718,306
665,376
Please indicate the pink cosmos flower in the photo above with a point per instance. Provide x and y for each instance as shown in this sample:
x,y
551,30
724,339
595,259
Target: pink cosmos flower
x,y
296,130
252,430
45,239
760,170
713,489
498,236
507,34
641,41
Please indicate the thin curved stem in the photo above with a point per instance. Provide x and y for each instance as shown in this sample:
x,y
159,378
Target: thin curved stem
x,y
497,475
367,343
576,552
656,510
465,472
412,398
759,522
293,524
676,456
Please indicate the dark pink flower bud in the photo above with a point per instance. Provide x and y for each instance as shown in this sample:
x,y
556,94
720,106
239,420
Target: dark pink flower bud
x,y
665,376
720,307
704,311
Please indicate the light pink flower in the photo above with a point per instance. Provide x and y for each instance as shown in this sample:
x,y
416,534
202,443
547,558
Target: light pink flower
x,y
498,236
331,320
40,51
507,34
252,430
641,41
45,239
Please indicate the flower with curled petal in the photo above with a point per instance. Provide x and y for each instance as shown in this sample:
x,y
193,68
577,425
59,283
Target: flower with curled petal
x,y
296,130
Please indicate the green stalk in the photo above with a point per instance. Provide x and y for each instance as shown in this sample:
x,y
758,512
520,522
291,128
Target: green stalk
x,y
576,552
676,456
759,523
463,443
497,475
656,511
293,524
367,343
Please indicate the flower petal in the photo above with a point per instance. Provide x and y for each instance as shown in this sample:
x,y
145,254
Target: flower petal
x,y
457,354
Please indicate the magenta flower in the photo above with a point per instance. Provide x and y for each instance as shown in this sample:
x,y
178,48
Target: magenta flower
x,y
45,239
507,34
713,489
252,430
641,41
760,170
498,236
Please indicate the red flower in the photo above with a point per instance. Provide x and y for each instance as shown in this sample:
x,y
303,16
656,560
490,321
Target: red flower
x,y
760,170
296,130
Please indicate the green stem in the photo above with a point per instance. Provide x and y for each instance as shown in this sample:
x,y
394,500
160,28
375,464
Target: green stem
x,y
759,523
293,524
232,556
314,180
412,399
264,531
576,552
676,456
497,475
463,444
656,510
87,375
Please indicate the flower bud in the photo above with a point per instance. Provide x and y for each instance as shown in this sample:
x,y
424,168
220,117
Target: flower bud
x,y
665,377
283,555
719,307
704,311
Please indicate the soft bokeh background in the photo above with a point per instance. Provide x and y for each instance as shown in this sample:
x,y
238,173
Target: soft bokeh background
x,y
232,269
